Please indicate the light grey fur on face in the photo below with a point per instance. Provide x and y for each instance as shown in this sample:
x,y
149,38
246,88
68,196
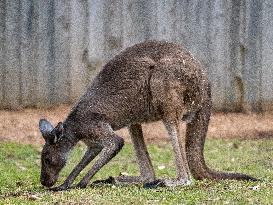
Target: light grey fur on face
x,y
150,81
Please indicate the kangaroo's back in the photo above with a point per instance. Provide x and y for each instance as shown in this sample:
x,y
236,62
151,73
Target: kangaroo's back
x,y
140,83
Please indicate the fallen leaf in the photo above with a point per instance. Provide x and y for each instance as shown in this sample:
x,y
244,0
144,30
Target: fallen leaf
x,y
33,197
160,167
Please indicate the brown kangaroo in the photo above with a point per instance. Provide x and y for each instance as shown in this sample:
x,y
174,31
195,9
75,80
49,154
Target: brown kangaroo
x,y
150,81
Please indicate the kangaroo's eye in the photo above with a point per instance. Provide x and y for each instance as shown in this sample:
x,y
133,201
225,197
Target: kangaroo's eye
x,y
47,161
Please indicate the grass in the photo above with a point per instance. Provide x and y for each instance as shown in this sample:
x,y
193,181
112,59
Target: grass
x,y
20,170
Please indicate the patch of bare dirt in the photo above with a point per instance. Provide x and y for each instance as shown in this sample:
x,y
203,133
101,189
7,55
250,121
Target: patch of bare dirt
x,y
22,126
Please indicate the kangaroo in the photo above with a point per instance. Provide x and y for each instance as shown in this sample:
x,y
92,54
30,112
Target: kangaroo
x,y
150,81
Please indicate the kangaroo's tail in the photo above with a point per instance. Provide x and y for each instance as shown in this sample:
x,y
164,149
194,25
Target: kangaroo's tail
x,y
195,139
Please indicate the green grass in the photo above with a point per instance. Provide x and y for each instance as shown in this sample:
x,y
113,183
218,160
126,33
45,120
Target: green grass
x,y
20,170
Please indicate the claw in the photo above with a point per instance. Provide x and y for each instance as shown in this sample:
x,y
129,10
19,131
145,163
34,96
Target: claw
x,y
81,186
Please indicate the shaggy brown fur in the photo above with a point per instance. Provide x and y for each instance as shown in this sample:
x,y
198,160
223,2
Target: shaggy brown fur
x,y
147,82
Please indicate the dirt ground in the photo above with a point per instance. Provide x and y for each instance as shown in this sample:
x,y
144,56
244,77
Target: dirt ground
x,y
22,126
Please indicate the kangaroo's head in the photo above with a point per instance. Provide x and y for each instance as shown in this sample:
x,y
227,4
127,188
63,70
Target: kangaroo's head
x,y
54,154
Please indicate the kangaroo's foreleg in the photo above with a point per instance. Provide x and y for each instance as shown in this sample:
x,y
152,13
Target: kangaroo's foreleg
x,y
111,146
89,155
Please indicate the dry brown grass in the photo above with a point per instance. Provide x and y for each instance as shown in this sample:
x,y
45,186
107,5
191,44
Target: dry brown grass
x,y
22,126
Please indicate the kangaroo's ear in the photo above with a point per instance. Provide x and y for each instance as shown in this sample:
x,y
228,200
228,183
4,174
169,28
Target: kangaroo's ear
x,y
46,129
59,130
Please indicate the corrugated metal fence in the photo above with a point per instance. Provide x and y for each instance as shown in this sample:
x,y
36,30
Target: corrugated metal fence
x,y
51,49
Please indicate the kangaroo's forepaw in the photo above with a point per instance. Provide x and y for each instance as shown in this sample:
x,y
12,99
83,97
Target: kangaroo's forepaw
x,y
81,185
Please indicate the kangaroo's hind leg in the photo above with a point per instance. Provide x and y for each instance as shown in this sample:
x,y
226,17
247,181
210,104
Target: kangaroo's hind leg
x,y
183,175
179,151
147,173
